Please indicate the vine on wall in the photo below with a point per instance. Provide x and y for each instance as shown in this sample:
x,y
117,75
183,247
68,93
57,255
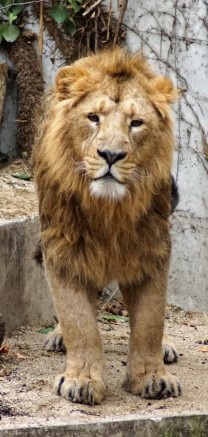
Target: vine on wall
x,y
77,28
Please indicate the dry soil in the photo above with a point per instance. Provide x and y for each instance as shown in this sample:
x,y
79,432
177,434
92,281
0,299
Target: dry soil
x,y
27,372
17,196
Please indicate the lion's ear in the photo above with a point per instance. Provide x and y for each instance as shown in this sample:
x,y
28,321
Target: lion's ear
x,y
71,82
164,94
64,79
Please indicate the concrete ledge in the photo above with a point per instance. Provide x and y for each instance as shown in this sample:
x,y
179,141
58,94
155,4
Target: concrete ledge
x,y
173,426
24,293
188,280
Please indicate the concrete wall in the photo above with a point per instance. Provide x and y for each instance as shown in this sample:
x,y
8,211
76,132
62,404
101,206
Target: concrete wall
x,y
174,36
24,294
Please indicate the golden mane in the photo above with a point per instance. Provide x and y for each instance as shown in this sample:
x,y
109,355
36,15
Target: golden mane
x,y
66,205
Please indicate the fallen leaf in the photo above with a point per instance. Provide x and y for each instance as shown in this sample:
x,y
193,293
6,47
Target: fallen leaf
x,y
4,349
112,318
117,309
194,323
22,176
125,313
27,33
181,322
204,348
21,357
113,309
45,330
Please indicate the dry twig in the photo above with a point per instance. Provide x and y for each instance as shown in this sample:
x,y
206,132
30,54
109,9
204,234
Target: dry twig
x,y
40,39
92,7
96,30
110,298
120,21
109,20
3,86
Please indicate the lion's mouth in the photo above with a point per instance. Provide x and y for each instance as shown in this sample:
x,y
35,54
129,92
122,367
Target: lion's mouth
x,y
108,177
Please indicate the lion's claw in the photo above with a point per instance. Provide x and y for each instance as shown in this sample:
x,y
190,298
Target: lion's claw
x,y
54,342
154,386
86,391
169,353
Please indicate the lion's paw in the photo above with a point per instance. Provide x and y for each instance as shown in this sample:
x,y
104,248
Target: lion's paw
x,y
154,386
169,352
83,391
54,342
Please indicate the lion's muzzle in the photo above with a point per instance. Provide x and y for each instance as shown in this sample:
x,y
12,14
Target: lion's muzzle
x,y
111,157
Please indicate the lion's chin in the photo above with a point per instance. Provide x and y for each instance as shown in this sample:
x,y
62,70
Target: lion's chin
x,y
108,189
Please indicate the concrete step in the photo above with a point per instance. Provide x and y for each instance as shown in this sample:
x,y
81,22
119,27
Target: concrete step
x,y
25,298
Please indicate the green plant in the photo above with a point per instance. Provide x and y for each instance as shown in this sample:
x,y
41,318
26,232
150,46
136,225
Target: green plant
x,y
61,13
10,19
11,13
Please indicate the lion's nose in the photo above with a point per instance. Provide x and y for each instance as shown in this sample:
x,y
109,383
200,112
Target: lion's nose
x,y
111,157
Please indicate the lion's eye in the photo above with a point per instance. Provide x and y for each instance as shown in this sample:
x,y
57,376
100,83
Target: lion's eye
x,y
136,123
94,118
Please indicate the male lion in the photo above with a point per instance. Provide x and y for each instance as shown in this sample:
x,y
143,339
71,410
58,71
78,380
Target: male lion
x,y
102,165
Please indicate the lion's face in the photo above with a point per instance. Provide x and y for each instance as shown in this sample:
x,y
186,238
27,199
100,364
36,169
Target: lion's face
x,y
114,131
113,125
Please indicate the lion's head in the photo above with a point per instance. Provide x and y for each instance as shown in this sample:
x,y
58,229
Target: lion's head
x,y
109,130
102,165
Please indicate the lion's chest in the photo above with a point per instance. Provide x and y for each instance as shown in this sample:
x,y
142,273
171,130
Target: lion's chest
x,y
92,253
104,257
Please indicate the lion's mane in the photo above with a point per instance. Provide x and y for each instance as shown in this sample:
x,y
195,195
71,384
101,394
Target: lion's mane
x,y
92,240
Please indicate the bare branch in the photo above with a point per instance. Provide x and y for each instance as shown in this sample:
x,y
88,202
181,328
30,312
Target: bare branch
x,y
21,4
120,21
3,86
96,30
92,7
109,20
40,39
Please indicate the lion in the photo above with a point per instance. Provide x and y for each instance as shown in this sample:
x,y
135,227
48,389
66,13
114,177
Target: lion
x,y
103,174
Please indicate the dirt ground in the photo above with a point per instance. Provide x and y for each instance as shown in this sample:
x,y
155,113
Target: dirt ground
x,y
17,196
27,372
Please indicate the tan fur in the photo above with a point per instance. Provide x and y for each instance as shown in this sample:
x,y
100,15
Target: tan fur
x,y
93,231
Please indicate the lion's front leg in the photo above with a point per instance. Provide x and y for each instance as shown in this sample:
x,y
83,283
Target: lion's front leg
x,y
84,377
146,372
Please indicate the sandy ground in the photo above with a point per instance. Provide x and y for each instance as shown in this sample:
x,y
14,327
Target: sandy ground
x,y
17,196
27,372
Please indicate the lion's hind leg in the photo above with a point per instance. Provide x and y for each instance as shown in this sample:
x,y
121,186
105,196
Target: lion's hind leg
x,y
54,340
169,351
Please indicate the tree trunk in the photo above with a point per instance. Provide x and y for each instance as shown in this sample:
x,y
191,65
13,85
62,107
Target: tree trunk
x,y
30,91
3,85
